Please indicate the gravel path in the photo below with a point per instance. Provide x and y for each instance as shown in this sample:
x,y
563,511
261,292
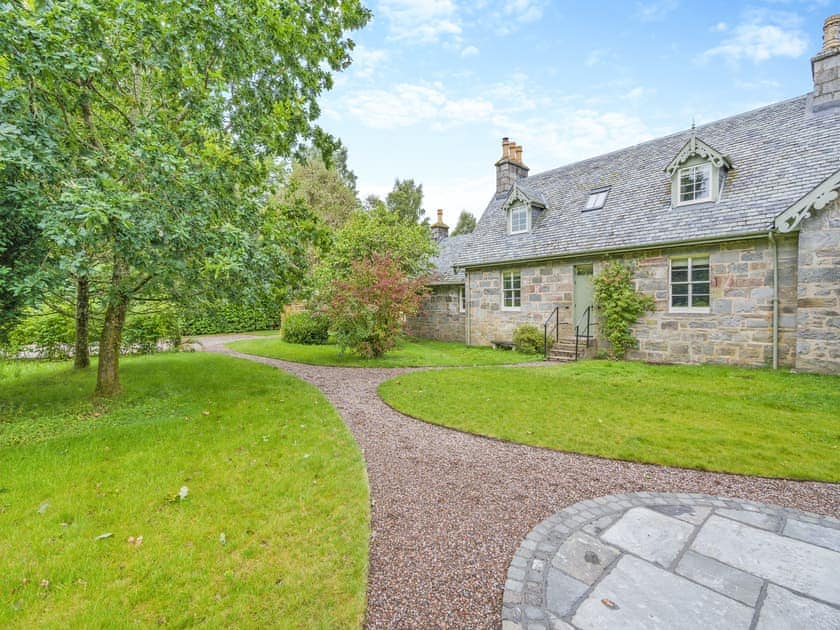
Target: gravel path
x,y
450,509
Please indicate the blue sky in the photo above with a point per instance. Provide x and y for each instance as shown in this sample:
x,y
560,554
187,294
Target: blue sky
x,y
436,84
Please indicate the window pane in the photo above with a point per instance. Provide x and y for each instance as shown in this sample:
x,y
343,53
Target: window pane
x,y
700,273
517,281
679,275
700,288
679,289
679,300
699,300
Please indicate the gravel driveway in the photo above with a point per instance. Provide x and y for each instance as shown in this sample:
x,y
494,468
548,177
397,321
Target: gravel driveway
x,y
449,509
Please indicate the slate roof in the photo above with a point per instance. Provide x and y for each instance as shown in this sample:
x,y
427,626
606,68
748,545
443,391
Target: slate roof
x,y
779,153
443,263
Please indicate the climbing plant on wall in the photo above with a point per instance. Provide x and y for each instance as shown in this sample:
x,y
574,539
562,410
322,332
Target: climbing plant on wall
x,y
619,306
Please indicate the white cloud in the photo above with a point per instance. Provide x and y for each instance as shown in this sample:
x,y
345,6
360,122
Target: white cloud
x,y
469,51
762,36
596,57
421,21
720,27
504,18
655,11
407,104
366,61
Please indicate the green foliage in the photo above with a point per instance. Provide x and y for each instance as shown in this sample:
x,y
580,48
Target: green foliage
x,y
529,339
143,134
406,201
378,232
367,309
224,316
466,223
47,334
328,191
305,328
144,332
706,417
619,307
273,531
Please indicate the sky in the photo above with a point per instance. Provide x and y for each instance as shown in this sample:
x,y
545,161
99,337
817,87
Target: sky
x,y
435,84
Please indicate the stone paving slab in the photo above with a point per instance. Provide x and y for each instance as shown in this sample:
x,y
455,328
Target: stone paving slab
x,y
676,561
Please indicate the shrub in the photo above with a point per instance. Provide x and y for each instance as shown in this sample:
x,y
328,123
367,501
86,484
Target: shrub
x,y
218,316
49,335
528,339
305,328
367,310
144,331
619,307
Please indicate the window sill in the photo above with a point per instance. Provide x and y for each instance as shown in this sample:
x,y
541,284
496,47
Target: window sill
x,y
708,199
512,308
519,232
701,310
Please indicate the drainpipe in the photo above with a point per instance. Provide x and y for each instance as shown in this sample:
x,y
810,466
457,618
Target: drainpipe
x,y
467,312
775,247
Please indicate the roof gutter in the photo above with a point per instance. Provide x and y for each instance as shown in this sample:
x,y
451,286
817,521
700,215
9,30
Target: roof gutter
x,y
615,250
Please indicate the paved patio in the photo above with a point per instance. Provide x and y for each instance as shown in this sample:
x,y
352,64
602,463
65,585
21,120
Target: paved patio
x,y
676,561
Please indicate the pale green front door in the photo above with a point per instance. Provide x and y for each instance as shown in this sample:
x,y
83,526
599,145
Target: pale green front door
x,y
584,292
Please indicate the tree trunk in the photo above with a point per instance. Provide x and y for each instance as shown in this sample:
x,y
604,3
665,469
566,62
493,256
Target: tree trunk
x,y
82,353
108,376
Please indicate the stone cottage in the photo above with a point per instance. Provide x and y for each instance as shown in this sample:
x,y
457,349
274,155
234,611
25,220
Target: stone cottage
x,y
443,315
733,228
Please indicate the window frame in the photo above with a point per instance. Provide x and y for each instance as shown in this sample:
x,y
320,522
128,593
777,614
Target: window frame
x,y
516,208
515,292
689,282
462,299
593,196
710,193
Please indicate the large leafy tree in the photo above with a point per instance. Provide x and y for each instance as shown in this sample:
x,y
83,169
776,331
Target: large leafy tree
x,y
406,201
328,188
372,276
163,116
466,223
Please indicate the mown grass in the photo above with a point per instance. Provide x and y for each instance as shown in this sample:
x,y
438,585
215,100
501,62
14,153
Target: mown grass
x,y
754,422
273,529
410,353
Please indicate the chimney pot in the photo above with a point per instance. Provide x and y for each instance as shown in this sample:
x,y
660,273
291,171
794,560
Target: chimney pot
x,y
510,167
440,216
823,67
831,33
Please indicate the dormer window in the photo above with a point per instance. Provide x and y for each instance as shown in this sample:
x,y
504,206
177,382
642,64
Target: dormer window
x,y
522,208
695,183
698,173
519,219
597,198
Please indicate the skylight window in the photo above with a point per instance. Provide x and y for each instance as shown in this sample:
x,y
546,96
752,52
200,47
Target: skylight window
x,y
597,199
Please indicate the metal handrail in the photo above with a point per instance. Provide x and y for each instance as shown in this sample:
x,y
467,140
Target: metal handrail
x,y
588,315
555,314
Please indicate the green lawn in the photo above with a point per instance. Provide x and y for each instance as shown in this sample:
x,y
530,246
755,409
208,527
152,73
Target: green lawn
x,y
273,529
410,353
755,422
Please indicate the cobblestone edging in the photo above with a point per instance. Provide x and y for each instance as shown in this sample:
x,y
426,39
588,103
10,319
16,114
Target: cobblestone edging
x,y
578,530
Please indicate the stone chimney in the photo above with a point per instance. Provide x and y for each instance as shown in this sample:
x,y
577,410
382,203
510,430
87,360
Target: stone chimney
x,y
510,167
825,67
439,229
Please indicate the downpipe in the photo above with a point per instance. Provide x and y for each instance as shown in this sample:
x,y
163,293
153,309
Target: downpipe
x,y
771,235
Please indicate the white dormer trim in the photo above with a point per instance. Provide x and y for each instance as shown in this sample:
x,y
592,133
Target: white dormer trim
x,y
517,199
695,147
817,199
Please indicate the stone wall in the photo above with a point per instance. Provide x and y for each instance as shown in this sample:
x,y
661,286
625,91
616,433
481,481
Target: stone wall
x,y
736,331
543,288
439,317
818,296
